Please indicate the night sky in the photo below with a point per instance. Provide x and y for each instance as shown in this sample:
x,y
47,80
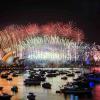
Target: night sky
x,y
84,13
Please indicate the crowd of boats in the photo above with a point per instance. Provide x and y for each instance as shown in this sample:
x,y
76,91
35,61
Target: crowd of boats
x,y
80,86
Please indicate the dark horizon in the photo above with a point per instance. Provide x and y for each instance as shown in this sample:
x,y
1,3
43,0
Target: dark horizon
x,y
85,14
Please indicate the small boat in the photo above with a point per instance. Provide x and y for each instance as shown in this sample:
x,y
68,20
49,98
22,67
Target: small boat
x,y
30,82
14,89
78,92
51,71
40,78
75,89
93,77
9,79
42,72
64,78
46,85
5,96
31,96
51,75
71,74
15,75
77,71
62,72
4,76
58,91
1,88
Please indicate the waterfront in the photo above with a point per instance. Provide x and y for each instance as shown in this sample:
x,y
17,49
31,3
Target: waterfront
x,y
41,93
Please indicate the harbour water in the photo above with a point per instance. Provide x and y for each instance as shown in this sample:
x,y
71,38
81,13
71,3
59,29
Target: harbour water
x,y
41,93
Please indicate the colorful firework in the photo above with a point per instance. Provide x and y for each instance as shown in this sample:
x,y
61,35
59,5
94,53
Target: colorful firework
x,y
12,35
50,48
52,41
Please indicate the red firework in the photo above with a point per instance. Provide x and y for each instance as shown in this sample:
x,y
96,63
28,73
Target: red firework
x,y
14,34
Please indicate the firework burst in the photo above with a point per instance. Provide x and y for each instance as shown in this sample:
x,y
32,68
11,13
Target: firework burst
x,y
13,35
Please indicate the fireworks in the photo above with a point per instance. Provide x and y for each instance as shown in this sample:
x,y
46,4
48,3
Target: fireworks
x,y
57,49
50,48
12,35
52,41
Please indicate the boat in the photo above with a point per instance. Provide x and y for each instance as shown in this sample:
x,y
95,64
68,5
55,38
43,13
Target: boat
x,y
43,72
78,92
39,77
14,89
46,85
4,76
1,88
76,89
5,96
70,74
77,71
9,79
64,78
51,75
94,77
31,96
58,91
62,72
15,75
31,81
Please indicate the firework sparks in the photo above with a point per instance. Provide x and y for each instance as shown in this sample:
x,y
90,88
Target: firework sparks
x,y
50,48
48,41
14,34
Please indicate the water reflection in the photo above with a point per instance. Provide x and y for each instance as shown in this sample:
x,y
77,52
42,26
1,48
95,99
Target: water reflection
x,y
96,93
41,93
